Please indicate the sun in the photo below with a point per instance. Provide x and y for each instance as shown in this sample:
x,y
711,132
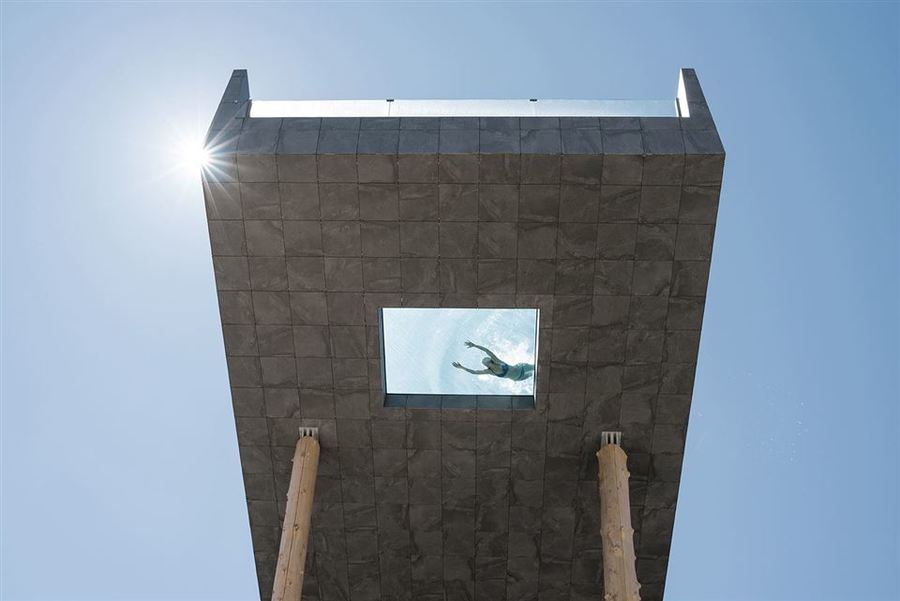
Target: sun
x,y
193,155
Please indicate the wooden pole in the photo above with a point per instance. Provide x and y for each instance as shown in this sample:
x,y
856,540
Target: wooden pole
x,y
619,576
295,532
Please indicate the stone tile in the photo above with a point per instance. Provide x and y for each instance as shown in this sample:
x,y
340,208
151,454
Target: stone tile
x,y
227,238
616,123
341,238
381,275
260,201
644,346
571,310
352,403
377,168
247,402
497,141
672,408
616,241
419,275
535,276
312,341
458,202
607,345
418,141
655,242
265,238
496,276
348,341
417,168
458,276
418,202
275,340
378,141
299,200
338,201
659,204
699,204
539,203
579,203
582,140
337,141
694,242
498,202
337,168
223,200
540,141
582,169
271,307
379,202
703,170
647,312
681,346
689,278
574,276
458,168
309,308
255,167
619,203
268,273
297,168
685,314
458,463
497,240
350,373
344,308
540,169
343,274
652,278
380,239
504,168
537,240
278,371
419,239
303,238
458,141
235,307
613,278
498,123
458,240
576,240
622,169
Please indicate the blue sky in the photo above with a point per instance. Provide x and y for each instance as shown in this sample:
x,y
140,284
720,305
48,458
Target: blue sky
x,y
120,475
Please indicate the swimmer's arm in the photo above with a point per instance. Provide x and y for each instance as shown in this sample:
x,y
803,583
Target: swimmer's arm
x,y
487,351
471,371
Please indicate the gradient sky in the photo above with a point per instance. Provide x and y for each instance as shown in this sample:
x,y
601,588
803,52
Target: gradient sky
x,y
120,473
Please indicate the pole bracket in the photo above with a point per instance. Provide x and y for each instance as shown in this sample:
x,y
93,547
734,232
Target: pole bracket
x,y
308,431
610,438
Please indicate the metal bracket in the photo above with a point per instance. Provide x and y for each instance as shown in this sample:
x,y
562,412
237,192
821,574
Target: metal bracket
x,y
610,438
313,432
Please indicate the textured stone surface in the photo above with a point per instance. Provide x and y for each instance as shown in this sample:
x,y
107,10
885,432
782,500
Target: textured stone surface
x,y
605,224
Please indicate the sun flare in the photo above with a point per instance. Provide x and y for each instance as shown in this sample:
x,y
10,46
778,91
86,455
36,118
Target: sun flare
x,y
191,154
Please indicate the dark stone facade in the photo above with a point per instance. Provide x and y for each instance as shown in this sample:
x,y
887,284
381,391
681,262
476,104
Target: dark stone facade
x,y
605,224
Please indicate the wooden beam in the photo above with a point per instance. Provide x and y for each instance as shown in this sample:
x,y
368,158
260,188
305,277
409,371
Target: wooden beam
x,y
295,531
619,576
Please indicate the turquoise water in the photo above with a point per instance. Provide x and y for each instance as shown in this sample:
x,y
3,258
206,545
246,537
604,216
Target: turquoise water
x,y
421,345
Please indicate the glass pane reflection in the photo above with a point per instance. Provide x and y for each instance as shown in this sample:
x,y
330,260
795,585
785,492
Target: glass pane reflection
x,y
459,351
